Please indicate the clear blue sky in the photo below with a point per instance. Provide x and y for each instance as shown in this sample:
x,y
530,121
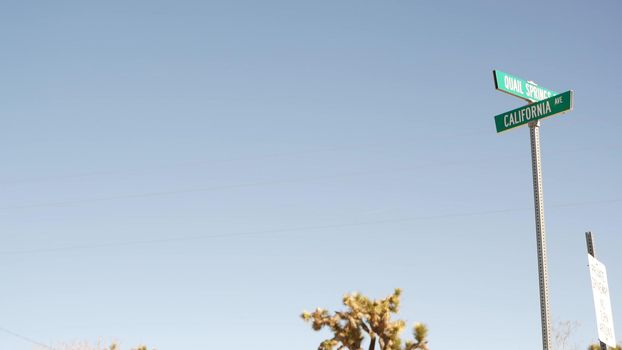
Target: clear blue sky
x,y
196,173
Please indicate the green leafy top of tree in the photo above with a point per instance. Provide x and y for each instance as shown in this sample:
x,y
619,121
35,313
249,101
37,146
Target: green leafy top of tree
x,y
366,318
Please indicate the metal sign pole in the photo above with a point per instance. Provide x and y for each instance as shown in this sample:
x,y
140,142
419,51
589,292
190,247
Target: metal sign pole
x,y
545,311
543,103
590,250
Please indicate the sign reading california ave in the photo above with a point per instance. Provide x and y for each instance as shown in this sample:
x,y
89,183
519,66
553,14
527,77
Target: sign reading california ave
x,y
518,87
557,104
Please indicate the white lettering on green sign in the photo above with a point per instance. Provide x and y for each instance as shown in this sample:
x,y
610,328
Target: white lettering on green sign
x,y
518,87
513,84
537,93
520,116
526,114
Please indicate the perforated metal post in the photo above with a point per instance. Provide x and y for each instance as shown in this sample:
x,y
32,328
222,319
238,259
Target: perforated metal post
x,y
590,250
545,311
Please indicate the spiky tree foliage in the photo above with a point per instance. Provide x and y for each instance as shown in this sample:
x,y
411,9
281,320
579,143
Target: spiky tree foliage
x,y
87,346
366,318
597,347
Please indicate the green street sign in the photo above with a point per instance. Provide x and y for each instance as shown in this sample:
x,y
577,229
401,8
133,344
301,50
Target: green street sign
x,y
518,87
557,104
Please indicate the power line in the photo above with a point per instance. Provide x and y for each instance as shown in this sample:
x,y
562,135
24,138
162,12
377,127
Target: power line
x,y
235,186
368,145
180,164
249,158
261,183
298,229
27,339
249,233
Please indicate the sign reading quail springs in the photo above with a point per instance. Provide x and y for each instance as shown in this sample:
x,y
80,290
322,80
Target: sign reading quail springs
x,y
557,104
521,88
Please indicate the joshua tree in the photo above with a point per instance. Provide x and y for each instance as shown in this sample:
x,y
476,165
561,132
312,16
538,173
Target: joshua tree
x,y
365,318
597,347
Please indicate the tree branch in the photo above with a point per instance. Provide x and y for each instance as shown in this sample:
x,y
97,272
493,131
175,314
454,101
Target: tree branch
x,y
372,342
364,326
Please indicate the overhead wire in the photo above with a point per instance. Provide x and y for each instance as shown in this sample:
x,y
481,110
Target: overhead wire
x,y
256,183
25,338
296,229
169,165
219,161
333,148
236,186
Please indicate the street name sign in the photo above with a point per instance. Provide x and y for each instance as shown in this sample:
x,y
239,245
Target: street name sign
x,y
557,104
602,302
542,103
518,87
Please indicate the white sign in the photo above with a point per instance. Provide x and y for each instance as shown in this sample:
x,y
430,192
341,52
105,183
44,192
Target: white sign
x,y
602,302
